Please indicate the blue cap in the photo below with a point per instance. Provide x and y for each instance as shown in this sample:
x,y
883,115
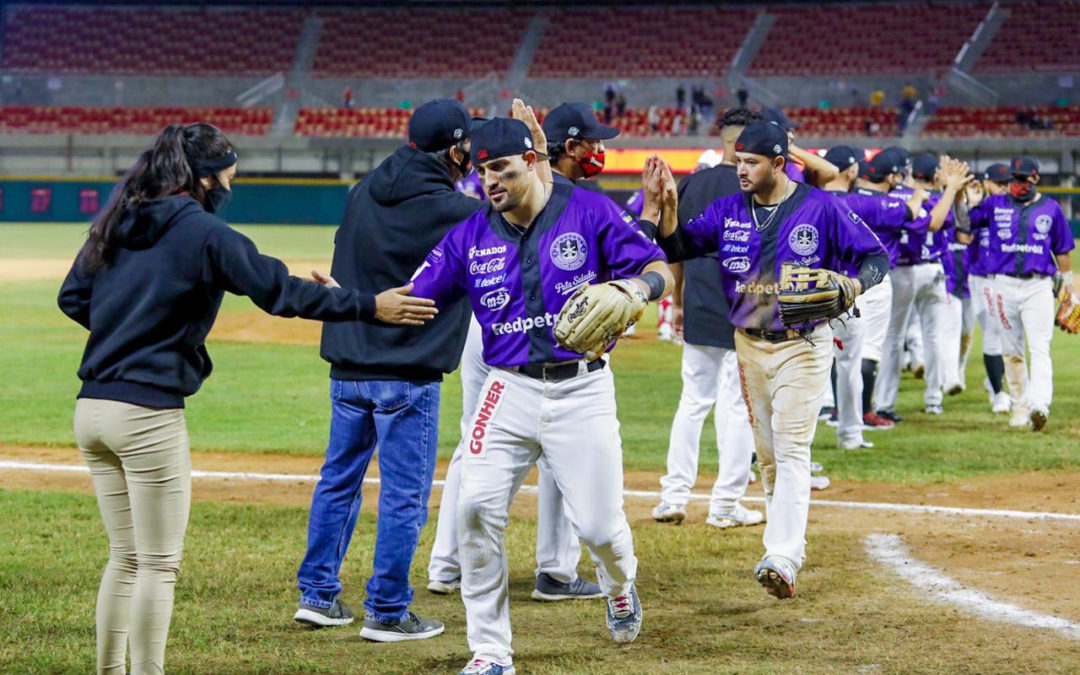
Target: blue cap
x,y
843,157
500,137
924,166
883,164
763,138
999,173
901,154
777,116
1023,165
575,120
438,124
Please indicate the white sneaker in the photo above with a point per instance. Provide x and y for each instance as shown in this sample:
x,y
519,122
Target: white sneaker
x,y
815,467
1000,403
443,587
933,410
669,513
819,482
1021,417
740,517
855,445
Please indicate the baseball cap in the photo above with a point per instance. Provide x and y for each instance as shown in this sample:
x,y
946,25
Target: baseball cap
x,y
843,157
500,137
1023,165
575,120
924,166
438,124
901,154
999,173
777,116
883,164
864,169
763,138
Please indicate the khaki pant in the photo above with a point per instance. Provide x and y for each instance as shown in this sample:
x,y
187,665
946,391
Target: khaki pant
x,y
784,384
141,470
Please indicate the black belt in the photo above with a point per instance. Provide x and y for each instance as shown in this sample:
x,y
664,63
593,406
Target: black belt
x,y
774,335
1029,275
557,371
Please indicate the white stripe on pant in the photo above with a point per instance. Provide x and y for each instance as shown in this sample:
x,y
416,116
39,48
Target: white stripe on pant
x,y
141,470
710,377
573,424
784,384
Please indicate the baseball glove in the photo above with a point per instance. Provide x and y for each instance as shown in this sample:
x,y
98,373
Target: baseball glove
x,y
595,316
1068,314
809,295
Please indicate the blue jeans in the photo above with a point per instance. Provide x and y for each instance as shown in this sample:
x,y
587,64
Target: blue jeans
x,y
402,419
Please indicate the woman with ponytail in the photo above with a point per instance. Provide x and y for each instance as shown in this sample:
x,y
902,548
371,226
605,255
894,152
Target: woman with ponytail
x,y
148,284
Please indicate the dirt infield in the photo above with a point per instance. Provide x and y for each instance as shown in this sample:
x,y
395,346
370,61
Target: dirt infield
x,y
1033,563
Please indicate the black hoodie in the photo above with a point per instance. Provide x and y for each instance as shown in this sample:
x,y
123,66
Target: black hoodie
x,y
393,218
150,309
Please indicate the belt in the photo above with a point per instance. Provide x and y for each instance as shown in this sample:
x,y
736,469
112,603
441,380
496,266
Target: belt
x,y
558,371
774,335
1029,275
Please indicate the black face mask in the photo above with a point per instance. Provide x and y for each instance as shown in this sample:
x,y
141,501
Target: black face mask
x,y
218,198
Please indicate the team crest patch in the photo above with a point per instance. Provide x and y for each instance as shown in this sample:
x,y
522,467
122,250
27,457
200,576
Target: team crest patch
x,y
803,239
1043,223
569,251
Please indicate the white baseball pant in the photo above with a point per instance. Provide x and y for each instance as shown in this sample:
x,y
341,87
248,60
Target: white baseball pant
x,y
984,301
784,384
1026,310
951,335
849,339
875,307
967,332
557,549
710,377
518,420
920,288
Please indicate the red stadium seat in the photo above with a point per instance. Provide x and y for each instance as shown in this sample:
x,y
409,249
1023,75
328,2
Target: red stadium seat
x,y
141,121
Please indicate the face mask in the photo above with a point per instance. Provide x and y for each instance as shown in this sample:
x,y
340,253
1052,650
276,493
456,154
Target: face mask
x,y
465,166
1021,190
592,163
218,198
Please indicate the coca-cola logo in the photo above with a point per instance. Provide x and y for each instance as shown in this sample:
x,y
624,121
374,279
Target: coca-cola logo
x,y
478,267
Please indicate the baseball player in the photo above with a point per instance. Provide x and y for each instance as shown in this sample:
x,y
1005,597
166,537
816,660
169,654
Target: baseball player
x,y
859,338
773,223
518,261
1029,242
710,368
918,278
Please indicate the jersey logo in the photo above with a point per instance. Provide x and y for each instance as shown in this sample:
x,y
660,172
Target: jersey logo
x,y
1043,223
569,251
803,239
496,299
485,412
736,265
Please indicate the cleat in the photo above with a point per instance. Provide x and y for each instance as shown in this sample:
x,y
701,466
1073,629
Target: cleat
x,y
889,415
1001,403
443,587
919,371
933,410
740,517
1038,420
855,445
669,513
409,627
834,419
550,590
624,616
777,576
876,422
1021,417
485,667
336,614
955,389
819,482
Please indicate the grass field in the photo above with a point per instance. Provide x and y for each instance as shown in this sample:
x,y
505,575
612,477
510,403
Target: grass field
x,y
703,612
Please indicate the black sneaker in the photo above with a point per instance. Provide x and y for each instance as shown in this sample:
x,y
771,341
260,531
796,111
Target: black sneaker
x,y
890,415
549,590
336,614
410,627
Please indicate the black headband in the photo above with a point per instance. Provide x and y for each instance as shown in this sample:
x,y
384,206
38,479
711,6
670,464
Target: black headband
x,y
211,167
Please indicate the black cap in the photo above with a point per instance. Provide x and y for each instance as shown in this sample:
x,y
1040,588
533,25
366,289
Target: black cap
x,y
575,120
763,138
901,154
777,116
843,157
864,169
1023,165
438,124
500,137
883,164
924,166
999,173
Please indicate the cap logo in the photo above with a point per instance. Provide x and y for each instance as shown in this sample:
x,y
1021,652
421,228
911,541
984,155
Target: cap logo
x,y
528,142
573,131
483,154
777,149
458,133
738,146
1016,163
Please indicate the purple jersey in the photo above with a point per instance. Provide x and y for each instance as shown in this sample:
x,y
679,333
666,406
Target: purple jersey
x,y
919,245
957,264
812,228
636,202
794,172
518,281
472,186
978,252
1023,237
884,214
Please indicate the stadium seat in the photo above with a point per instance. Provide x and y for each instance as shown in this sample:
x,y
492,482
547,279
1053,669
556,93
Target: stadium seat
x,y
139,121
1001,121
1036,36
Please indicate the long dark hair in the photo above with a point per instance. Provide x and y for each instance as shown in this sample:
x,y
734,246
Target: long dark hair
x,y
164,169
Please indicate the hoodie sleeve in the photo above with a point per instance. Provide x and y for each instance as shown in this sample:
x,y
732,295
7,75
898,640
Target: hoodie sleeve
x,y
75,292
234,264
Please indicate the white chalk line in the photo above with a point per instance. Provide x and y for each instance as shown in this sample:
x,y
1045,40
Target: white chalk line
x,y
643,494
889,550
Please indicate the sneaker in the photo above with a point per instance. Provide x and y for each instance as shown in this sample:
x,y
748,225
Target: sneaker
x,y
819,482
826,412
485,667
777,576
889,415
1038,419
815,467
876,422
336,614
1000,403
919,371
933,410
409,627
443,587
855,445
624,616
1021,417
666,512
549,589
740,517
834,419
954,389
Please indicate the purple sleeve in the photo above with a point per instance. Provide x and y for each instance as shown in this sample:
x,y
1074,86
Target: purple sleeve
x,y
980,214
854,240
624,248
441,277
636,202
1061,239
891,213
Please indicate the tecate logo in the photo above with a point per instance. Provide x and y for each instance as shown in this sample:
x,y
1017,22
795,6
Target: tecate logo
x,y
523,324
740,264
496,299
477,268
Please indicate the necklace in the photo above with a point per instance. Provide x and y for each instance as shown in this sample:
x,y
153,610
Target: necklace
x,y
753,212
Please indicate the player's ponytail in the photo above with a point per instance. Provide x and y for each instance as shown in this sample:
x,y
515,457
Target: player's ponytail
x,y
165,169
